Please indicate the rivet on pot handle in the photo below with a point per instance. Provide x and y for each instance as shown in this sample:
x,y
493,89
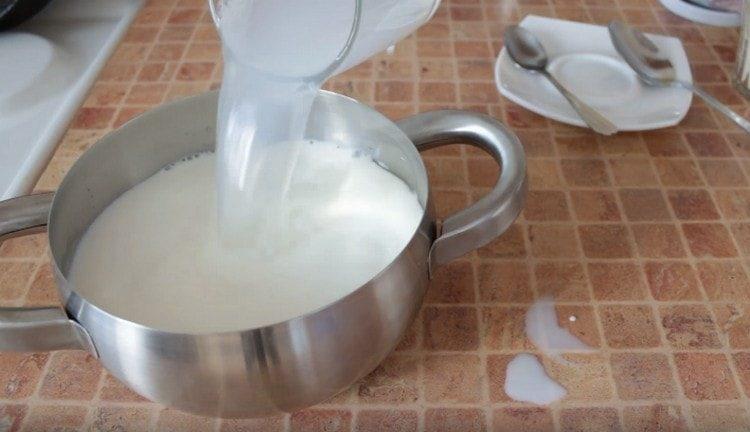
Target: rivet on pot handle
x,y
35,329
483,221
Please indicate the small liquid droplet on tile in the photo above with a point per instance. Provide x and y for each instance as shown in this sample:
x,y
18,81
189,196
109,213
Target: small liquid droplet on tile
x,y
527,381
544,331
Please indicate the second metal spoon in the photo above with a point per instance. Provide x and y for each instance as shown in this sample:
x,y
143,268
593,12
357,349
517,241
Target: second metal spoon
x,y
526,50
655,68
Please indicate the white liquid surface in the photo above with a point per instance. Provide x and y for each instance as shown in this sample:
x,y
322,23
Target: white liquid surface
x,y
527,381
154,257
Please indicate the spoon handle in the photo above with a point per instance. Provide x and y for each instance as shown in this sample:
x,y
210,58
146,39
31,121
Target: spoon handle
x,y
715,103
596,121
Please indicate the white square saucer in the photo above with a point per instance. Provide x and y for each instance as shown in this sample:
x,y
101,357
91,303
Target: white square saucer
x,y
583,58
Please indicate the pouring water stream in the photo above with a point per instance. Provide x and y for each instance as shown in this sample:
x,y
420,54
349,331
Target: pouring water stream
x,y
277,54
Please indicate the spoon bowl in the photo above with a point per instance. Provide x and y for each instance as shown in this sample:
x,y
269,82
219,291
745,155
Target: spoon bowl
x,y
641,54
527,51
656,69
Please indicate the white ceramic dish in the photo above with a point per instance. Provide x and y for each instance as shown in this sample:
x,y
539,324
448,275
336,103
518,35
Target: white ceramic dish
x,y
47,66
702,15
583,58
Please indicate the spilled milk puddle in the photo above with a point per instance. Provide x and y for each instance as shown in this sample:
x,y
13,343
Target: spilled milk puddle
x,y
526,379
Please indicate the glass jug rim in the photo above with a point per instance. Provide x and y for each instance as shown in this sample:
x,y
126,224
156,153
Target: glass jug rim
x,y
340,57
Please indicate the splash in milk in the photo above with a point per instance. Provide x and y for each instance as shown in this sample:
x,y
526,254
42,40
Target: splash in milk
x,y
277,54
169,270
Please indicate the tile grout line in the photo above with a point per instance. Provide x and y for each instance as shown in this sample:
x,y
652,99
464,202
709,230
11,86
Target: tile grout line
x,y
532,263
34,399
94,402
726,349
485,391
582,403
687,403
604,347
479,351
149,50
649,299
21,299
556,407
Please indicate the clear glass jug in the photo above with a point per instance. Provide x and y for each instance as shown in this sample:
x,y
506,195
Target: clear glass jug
x,y
277,54
323,32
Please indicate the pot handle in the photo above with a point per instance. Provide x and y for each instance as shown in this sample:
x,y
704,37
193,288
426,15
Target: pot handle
x,y
35,329
483,221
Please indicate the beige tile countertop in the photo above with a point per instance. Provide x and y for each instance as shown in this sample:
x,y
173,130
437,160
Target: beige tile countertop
x,y
644,237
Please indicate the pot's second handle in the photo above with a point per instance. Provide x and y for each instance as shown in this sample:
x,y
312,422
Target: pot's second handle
x,y
35,329
24,215
483,221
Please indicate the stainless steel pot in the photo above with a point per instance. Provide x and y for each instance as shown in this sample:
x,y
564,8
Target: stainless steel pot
x,y
288,365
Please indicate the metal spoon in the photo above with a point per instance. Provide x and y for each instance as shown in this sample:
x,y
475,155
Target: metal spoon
x,y
655,68
526,50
